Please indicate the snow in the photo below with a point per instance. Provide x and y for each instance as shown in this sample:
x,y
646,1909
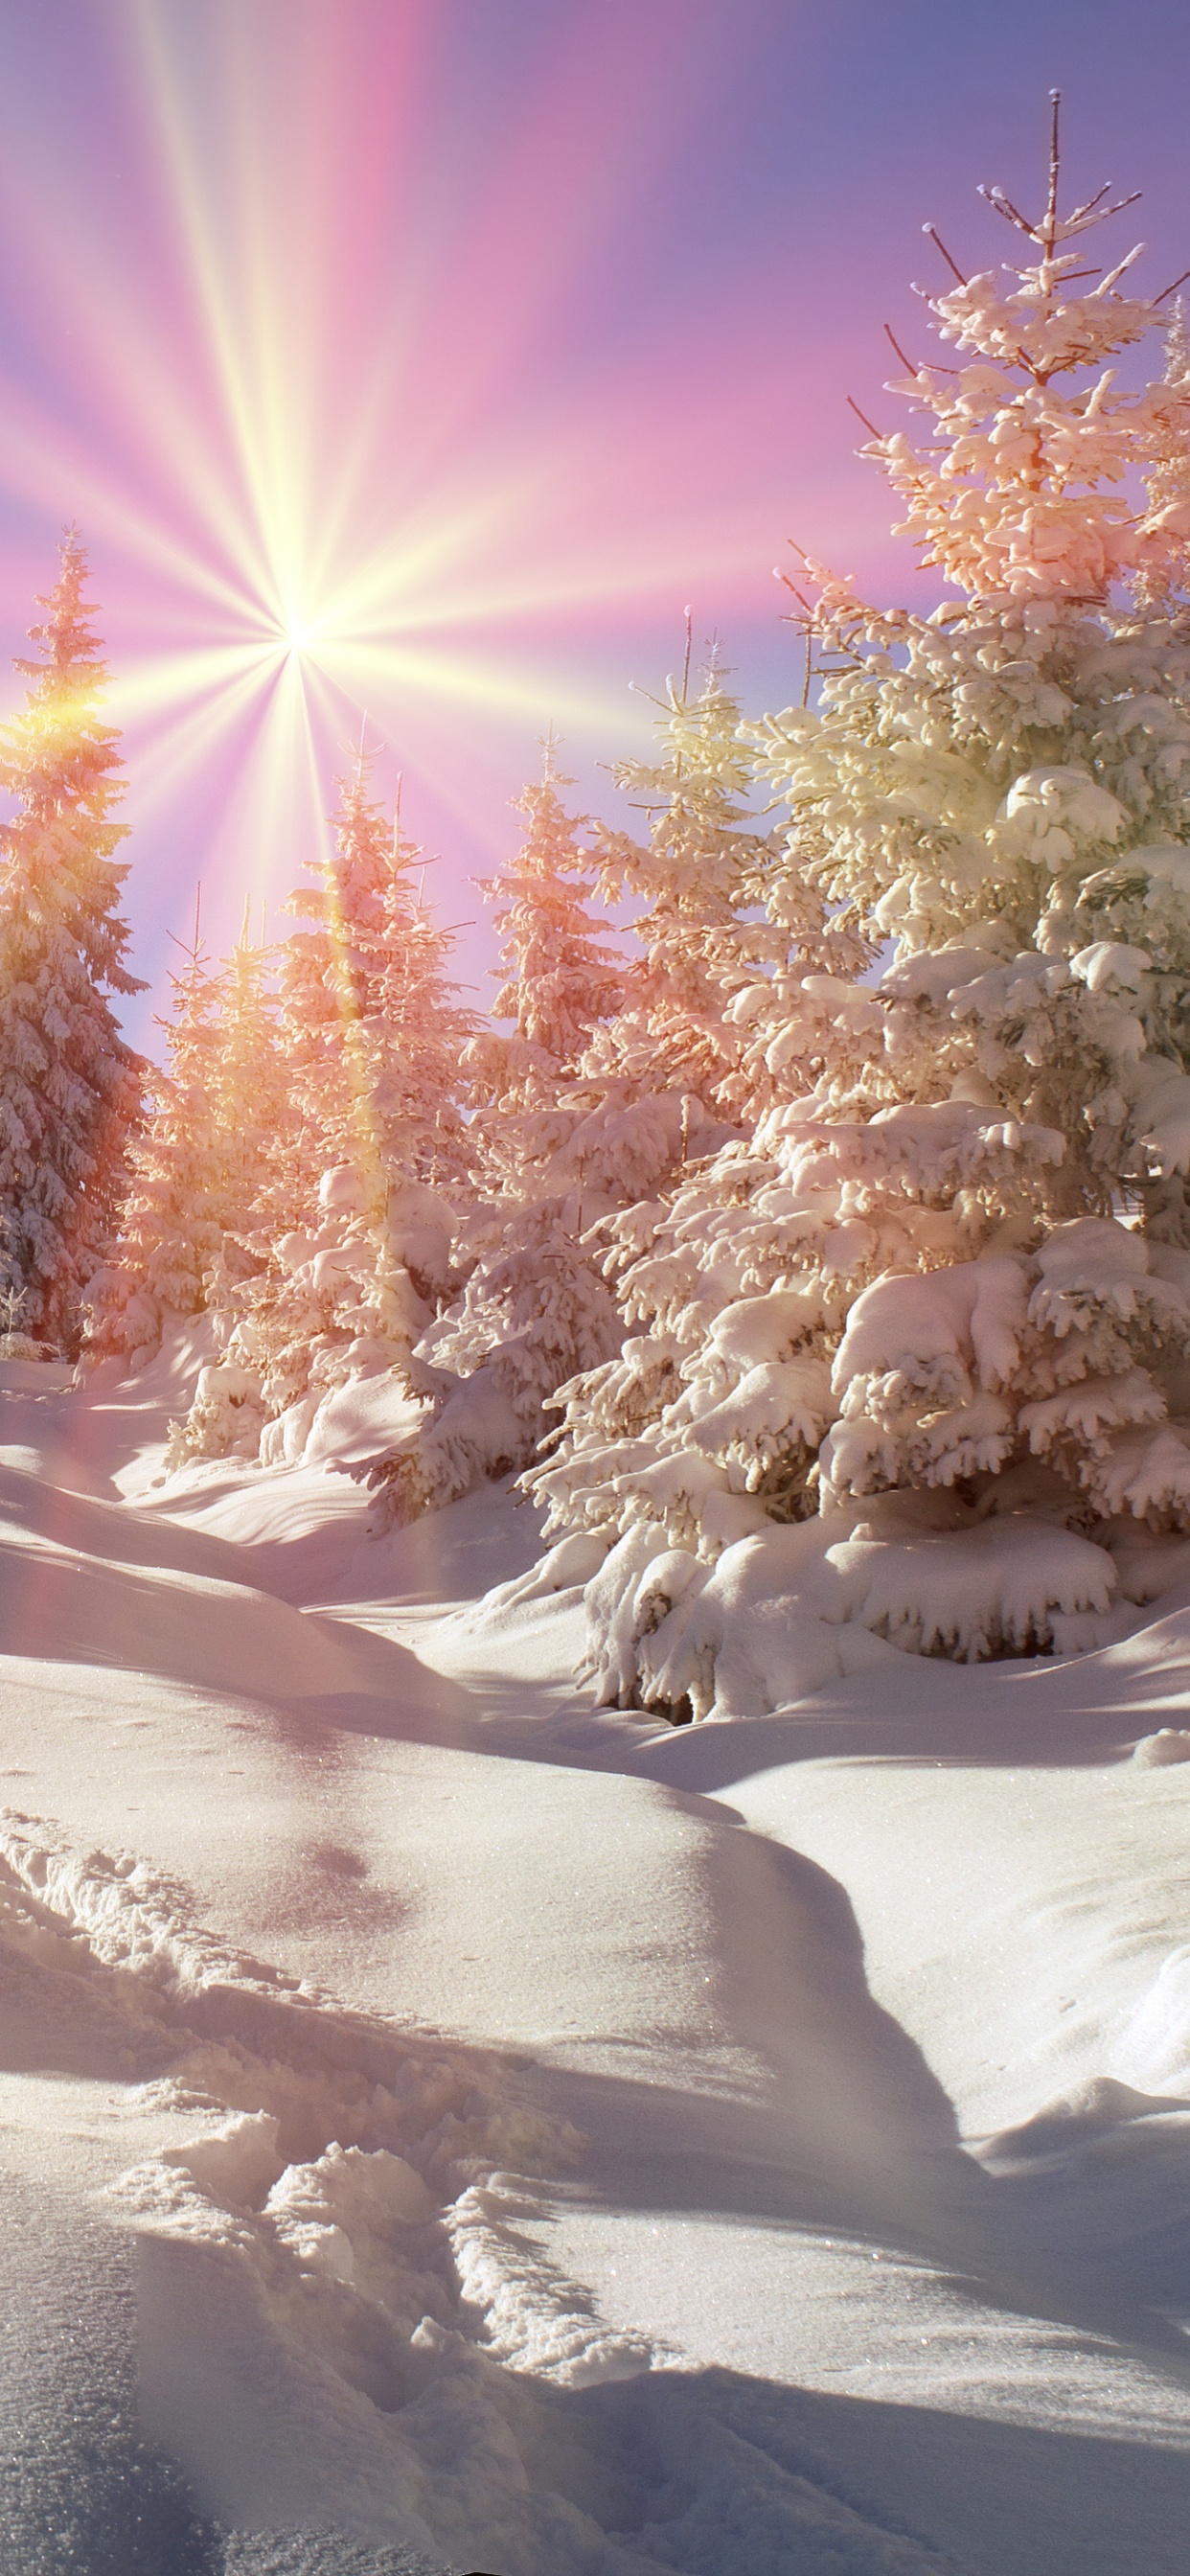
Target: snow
x,y
669,2050
540,2139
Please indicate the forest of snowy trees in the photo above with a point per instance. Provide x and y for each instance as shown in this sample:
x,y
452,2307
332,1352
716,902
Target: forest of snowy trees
x,y
816,1245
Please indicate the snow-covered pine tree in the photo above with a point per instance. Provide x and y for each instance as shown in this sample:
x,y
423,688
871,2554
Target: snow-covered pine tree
x,y
674,1073
348,1254
698,877
252,1087
204,1166
328,975
417,1033
659,1083
557,977
1163,578
70,1089
171,1227
538,1119
571,1138
911,1371
535,1307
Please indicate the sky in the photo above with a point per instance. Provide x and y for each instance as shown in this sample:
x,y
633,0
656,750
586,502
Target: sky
x,y
413,365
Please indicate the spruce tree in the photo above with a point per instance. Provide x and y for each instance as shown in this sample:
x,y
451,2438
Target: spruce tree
x,y
1163,575
203,1166
611,1083
535,1307
370,1026
664,1078
251,1090
912,1373
346,1255
69,1085
699,880
171,1229
416,1033
558,979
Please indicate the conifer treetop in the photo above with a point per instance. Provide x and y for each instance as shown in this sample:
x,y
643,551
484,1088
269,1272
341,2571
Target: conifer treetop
x,y
697,877
1006,494
58,759
69,678
557,976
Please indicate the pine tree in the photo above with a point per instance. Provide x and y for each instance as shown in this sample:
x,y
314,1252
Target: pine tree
x,y
171,1228
534,1308
698,876
658,1083
69,1086
664,1081
608,1088
417,1033
912,1374
251,1089
348,1252
558,978
328,977
371,1030
203,1167
1163,580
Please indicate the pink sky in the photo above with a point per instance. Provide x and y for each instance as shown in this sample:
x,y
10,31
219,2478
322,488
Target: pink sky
x,y
469,340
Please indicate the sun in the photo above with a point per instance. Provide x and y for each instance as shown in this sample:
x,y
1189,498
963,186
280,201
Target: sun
x,y
299,632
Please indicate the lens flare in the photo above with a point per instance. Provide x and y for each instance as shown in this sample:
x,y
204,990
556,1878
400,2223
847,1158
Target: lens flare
x,y
329,384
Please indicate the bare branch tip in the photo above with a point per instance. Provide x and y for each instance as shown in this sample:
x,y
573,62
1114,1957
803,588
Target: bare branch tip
x,y
933,234
869,425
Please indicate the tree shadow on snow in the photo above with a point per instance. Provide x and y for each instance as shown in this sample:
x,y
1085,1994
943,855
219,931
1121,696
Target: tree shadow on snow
x,y
992,2497
1044,1719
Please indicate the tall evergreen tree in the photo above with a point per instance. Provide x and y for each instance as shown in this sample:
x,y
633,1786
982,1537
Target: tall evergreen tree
x,y
535,1308
557,977
699,879
251,1088
1163,576
664,1075
607,1088
172,1225
370,1027
69,1086
348,1252
914,1368
203,1166
416,1032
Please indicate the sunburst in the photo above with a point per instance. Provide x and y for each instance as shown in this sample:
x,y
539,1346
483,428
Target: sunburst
x,y
309,435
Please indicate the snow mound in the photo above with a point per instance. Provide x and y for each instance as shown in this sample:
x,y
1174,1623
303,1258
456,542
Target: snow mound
x,y
1169,1744
790,1609
191,1626
1076,2120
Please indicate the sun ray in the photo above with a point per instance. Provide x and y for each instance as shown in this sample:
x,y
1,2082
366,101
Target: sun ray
x,y
310,385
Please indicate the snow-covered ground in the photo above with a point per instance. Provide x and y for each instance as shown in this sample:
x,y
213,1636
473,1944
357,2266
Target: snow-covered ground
x,y
448,2126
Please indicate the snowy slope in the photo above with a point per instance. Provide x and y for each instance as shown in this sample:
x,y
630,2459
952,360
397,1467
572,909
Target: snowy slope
x,y
506,2135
